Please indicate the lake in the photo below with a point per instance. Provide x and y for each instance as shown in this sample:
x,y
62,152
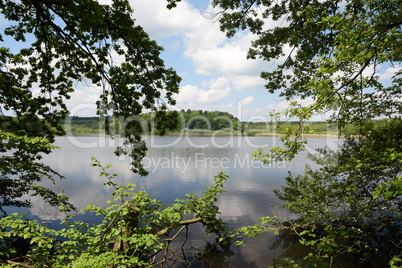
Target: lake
x,y
180,165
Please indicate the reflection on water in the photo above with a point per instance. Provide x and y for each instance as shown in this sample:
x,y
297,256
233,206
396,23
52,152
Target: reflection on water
x,y
180,165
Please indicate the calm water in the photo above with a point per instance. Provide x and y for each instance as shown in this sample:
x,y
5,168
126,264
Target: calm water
x,y
180,165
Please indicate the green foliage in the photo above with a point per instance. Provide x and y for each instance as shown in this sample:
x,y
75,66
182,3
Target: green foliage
x,y
265,224
153,123
389,190
199,121
21,169
332,50
285,263
353,203
205,208
209,120
396,262
348,205
133,230
55,46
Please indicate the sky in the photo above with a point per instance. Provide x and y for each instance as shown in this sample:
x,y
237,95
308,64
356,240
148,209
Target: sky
x,y
215,71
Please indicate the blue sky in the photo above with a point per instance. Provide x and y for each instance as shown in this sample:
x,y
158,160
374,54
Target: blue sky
x,y
216,73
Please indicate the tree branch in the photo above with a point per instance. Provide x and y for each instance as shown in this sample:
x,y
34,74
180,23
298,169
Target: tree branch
x,y
14,263
82,47
186,222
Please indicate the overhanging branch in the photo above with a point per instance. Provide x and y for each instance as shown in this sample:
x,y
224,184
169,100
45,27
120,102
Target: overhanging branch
x,y
182,223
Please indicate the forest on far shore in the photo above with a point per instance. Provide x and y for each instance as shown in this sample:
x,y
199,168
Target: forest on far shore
x,y
198,122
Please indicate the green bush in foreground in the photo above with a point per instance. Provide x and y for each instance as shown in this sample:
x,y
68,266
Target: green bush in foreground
x,y
134,230
352,204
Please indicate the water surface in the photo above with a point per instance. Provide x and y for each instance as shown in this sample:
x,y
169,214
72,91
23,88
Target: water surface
x,y
180,165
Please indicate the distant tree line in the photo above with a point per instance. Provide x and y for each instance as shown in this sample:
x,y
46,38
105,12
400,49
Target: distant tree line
x,y
209,120
215,120
189,119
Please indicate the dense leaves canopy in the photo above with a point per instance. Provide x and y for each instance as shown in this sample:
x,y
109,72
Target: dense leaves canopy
x,y
343,55
54,46
334,51
353,202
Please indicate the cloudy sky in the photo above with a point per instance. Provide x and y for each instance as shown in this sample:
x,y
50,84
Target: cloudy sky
x,y
216,74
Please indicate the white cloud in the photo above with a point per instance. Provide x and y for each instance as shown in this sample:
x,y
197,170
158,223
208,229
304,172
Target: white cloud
x,y
369,71
247,101
243,112
220,82
82,102
227,107
219,89
244,82
159,22
208,48
390,72
210,52
282,105
213,54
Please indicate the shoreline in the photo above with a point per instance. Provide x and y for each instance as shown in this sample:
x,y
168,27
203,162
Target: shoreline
x,y
262,134
219,134
312,135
